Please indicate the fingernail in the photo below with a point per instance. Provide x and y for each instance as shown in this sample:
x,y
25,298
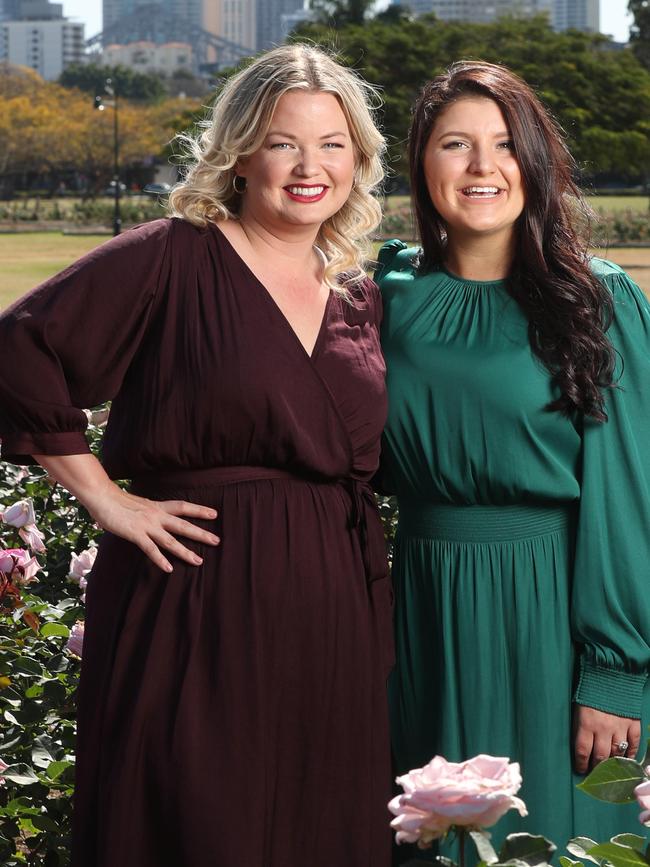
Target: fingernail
x,y
198,560
213,513
168,567
215,540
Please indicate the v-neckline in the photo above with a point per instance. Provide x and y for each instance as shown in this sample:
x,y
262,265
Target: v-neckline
x,y
276,307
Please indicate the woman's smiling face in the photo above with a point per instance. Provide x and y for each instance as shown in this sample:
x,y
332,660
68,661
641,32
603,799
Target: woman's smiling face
x,y
303,172
471,170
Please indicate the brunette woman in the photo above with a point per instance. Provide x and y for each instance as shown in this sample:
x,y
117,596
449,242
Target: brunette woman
x,y
518,446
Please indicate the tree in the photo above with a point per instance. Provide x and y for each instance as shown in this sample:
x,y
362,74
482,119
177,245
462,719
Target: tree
x,y
45,127
91,77
586,85
339,13
640,35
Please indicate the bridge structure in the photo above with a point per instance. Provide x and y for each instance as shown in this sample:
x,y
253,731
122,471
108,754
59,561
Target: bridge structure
x,y
153,23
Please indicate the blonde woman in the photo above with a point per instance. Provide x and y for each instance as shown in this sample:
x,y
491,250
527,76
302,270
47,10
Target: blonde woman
x,y
237,641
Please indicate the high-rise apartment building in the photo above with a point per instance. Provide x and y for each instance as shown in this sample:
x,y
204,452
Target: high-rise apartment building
x,y
9,10
270,13
47,45
563,14
576,14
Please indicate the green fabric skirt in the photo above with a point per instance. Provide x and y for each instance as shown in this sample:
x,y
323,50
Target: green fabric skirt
x,y
485,661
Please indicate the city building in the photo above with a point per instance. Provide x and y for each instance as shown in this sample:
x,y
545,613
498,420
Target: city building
x,y
167,57
276,18
563,14
219,32
9,10
576,14
41,38
233,20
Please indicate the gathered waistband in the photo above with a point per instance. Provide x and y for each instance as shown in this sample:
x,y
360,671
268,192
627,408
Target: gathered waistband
x,y
363,518
453,523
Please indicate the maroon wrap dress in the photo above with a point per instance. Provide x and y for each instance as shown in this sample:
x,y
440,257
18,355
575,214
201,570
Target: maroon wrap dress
x,y
233,714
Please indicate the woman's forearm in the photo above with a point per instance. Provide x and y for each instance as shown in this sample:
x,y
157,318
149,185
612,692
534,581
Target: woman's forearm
x,y
152,526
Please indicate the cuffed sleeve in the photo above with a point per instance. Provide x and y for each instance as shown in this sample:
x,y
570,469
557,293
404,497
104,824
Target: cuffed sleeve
x,y
68,344
611,590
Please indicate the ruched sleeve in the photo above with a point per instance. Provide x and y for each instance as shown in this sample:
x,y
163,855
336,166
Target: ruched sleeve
x,y
611,590
68,344
387,258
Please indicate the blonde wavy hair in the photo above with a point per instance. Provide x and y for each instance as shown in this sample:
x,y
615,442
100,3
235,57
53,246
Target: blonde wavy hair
x,y
240,120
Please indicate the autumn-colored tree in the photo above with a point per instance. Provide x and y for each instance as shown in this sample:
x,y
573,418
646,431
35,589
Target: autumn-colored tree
x,y
45,127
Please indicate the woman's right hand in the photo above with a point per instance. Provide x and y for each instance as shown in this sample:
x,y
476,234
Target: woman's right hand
x,y
153,526
149,524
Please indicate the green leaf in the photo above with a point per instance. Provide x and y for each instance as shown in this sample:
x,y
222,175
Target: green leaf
x,y
484,848
41,755
30,666
634,841
581,846
614,780
55,769
20,807
44,823
20,774
49,629
569,862
529,849
619,856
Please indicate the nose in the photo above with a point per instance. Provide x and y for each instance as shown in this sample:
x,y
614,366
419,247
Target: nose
x,y
482,160
307,163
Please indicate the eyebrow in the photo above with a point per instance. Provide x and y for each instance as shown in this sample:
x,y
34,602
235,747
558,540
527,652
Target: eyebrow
x,y
504,134
293,137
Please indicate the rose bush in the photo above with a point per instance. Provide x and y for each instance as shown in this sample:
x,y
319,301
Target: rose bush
x,y
41,611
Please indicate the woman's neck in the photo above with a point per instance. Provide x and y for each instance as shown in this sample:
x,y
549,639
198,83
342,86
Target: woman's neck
x,y
480,258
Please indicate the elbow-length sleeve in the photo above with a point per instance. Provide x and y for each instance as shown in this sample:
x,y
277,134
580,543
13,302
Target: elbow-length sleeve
x,y
68,344
611,590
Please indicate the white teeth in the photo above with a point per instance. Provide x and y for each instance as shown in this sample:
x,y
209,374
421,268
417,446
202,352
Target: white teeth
x,y
306,191
481,190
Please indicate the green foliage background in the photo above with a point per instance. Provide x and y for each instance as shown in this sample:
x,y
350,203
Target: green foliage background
x,y
600,95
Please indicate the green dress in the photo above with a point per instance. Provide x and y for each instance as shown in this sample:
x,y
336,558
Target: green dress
x,y
522,556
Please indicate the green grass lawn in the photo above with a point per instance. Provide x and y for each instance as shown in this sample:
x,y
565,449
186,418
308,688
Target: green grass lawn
x,y
31,257
598,203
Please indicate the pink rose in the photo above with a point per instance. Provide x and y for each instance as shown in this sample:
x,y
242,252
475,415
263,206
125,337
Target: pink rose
x,y
76,641
18,565
21,515
81,564
472,794
642,793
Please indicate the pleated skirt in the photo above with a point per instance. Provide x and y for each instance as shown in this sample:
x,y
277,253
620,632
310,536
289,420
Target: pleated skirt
x,y
485,658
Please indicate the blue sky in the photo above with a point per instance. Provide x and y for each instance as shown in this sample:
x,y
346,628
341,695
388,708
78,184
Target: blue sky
x,y
613,16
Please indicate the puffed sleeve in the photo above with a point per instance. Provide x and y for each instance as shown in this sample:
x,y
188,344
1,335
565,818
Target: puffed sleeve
x,y
67,344
386,258
611,591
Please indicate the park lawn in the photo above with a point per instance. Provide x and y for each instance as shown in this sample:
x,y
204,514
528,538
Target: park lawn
x,y
598,203
29,258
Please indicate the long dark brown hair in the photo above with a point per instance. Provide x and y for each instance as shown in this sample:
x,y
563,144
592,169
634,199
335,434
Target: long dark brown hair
x,y
567,307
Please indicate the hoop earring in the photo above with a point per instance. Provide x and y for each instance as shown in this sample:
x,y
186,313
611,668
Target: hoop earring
x,y
238,188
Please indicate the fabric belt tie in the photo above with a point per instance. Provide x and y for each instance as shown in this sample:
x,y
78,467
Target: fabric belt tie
x,y
363,518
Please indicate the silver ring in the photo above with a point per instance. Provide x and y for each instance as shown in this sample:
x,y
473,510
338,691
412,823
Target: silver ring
x,y
622,746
